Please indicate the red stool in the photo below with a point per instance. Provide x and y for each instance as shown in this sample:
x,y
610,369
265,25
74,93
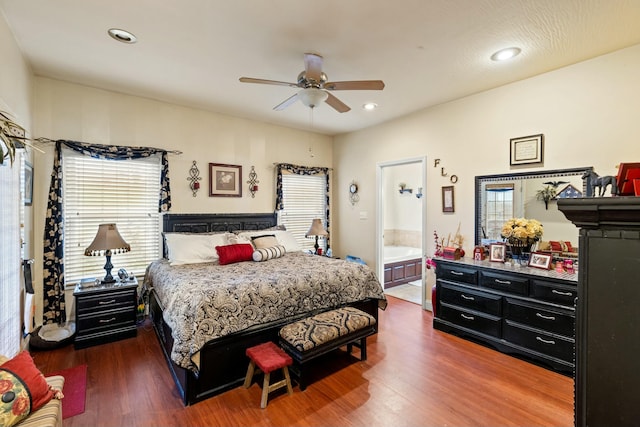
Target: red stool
x,y
268,357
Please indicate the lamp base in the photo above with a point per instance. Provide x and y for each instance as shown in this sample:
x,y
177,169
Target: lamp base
x,y
108,278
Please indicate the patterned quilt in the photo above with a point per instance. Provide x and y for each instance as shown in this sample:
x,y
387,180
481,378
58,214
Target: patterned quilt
x,y
206,301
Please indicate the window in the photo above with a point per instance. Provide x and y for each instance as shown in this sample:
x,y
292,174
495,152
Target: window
x,y
499,208
11,211
304,199
98,191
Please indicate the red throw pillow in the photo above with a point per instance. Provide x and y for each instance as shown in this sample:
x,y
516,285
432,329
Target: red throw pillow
x,y
22,366
235,253
555,246
569,247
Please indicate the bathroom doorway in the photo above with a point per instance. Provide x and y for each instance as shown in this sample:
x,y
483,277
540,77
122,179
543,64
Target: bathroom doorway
x,y
400,236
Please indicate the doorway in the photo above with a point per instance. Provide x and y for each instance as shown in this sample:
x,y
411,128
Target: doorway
x,y
400,236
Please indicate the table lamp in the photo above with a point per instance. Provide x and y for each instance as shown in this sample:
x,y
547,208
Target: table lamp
x,y
107,239
316,230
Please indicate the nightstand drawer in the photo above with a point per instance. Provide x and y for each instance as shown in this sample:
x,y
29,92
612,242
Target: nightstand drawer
x,y
551,345
505,283
483,323
486,303
542,318
106,319
105,301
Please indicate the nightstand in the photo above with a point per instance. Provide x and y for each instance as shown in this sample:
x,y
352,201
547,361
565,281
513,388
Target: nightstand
x,y
105,313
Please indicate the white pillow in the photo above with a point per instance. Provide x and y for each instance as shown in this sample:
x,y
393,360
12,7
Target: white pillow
x,y
188,248
265,254
287,240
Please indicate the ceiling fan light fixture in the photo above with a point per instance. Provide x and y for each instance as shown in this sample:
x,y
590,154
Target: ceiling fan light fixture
x,y
312,97
370,106
504,54
122,36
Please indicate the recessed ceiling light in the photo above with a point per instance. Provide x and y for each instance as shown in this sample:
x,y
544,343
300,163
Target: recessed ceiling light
x,y
370,106
122,35
505,54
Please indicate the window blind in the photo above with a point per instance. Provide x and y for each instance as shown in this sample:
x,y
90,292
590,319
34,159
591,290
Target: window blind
x,y
11,206
304,199
97,191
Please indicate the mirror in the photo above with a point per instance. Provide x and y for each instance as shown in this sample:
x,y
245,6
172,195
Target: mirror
x,y
517,195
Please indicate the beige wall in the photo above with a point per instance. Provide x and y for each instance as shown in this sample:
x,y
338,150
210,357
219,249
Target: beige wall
x,y
588,113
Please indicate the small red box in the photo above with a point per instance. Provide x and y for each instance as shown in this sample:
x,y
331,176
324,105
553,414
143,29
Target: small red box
x,y
451,253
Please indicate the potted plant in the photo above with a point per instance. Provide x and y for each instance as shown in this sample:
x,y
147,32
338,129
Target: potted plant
x,y
546,194
11,137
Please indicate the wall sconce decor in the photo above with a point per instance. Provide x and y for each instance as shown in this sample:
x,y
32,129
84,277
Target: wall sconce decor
x,y
353,193
253,182
404,189
193,178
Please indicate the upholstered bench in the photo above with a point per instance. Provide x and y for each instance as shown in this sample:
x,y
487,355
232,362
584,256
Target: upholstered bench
x,y
314,336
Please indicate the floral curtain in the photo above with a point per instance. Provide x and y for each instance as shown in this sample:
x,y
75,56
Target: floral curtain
x,y
301,170
54,309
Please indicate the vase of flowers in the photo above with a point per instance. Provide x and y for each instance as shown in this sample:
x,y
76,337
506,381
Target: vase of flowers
x,y
520,234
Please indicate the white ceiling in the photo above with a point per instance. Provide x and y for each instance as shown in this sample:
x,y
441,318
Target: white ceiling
x,y
427,52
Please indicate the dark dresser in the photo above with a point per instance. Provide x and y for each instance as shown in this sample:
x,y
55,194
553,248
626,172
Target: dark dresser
x,y
608,310
105,313
517,310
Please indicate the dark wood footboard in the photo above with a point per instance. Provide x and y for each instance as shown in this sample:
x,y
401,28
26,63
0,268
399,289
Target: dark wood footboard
x,y
223,363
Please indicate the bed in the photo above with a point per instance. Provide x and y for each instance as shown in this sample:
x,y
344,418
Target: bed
x,y
206,314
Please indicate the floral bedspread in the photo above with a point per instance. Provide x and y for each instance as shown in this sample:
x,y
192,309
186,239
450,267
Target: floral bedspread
x,y
206,301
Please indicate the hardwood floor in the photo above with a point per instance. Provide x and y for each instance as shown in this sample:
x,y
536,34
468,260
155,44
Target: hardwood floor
x,y
414,376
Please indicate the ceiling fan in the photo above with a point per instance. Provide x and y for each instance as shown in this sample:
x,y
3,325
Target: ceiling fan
x,y
316,88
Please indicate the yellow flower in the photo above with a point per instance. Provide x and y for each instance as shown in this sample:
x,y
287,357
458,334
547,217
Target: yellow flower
x,y
522,231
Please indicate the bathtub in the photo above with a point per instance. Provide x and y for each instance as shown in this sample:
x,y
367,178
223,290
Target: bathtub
x,y
402,264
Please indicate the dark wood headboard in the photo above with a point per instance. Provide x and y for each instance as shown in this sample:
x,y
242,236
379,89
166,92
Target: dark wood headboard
x,y
206,223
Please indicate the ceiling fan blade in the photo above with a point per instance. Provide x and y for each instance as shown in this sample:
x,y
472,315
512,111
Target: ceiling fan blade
x,y
267,82
313,66
338,105
284,104
355,85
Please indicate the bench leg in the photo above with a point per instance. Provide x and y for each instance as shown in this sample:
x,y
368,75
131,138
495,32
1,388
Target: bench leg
x,y
363,349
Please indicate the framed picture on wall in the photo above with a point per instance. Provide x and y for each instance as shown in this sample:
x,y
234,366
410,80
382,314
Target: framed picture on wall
x,y
225,180
527,149
447,199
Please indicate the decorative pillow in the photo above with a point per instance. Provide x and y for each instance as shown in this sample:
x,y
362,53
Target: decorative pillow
x,y
235,253
188,248
555,246
265,254
566,246
287,240
265,241
23,389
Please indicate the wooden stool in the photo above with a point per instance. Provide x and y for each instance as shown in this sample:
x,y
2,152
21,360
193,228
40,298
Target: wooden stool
x,y
268,357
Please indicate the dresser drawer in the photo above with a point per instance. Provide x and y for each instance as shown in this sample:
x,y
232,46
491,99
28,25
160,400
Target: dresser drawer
x,y
457,273
550,345
105,301
505,283
553,292
484,323
106,319
553,321
474,300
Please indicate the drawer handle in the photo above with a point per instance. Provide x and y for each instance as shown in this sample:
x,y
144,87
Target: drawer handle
x,y
542,316
106,302
545,341
465,317
503,282
467,298
456,273
566,294
107,320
